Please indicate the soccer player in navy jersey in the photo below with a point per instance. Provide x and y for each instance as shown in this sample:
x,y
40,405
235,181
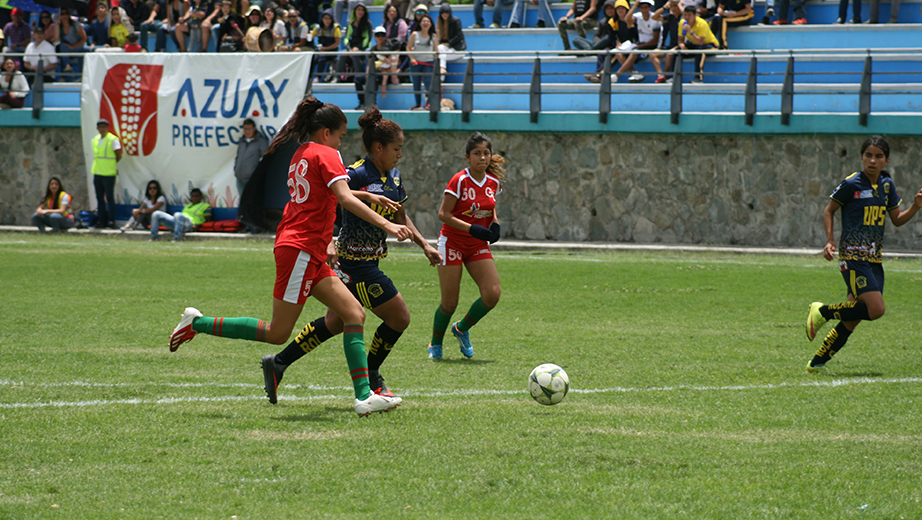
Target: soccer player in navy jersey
x,y
866,199
358,249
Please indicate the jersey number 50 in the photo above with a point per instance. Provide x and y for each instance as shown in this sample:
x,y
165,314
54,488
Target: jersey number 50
x,y
298,187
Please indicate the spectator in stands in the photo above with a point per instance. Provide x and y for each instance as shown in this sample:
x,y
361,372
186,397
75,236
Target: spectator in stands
x,y
17,35
326,40
118,33
730,13
13,85
338,6
48,26
422,45
358,39
157,21
54,210
138,12
422,10
670,15
97,31
154,200
706,9
697,35
401,5
133,45
312,9
197,25
73,40
545,16
451,38
385,63
296,35
649,38
583,15
843,11
894,11
611,31
497,13
192,216
250,150
800,14
177,13
272,20
230,32
39,49
769,12
397,36
107,152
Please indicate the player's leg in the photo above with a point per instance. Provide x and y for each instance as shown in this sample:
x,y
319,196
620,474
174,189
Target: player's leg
x,y
484,273
395,318
310,337
450,288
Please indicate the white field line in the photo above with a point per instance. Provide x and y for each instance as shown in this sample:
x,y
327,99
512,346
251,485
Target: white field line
x,y
404,393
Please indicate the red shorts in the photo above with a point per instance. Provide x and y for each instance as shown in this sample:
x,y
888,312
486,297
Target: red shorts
x,y
452,254
296,273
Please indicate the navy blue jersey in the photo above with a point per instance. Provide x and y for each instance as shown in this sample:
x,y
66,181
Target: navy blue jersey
x,y
358,239
864,210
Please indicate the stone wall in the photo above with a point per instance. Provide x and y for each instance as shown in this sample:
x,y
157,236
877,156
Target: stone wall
x,y
750,190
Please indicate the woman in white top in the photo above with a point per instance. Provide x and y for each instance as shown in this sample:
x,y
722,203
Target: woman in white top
x,y
423,44
273,21
153,200
13,86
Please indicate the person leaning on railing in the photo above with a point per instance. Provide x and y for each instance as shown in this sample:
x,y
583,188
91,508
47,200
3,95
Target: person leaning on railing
x,y
13,85
38,50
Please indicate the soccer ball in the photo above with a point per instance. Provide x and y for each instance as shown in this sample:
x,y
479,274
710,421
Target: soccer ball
x,y
548,384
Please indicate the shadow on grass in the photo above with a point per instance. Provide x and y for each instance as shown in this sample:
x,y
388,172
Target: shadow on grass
x,y
460,361
320,415
840,373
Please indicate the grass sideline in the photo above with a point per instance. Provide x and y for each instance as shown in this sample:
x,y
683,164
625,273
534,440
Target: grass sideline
x,y
688,400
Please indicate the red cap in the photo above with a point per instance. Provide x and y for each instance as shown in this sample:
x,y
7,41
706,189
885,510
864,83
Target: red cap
x,y
15,11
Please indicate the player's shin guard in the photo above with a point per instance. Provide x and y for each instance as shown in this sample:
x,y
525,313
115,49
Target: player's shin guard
x,y
354,347
381,345
833,343
846,311
477,311
440,324
311,336
237,328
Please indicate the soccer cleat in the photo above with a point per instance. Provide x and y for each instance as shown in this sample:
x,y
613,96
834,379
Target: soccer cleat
x,y
183,332
464,338
272,376
435,351
377,384
818,369
815,320
636,78
376,403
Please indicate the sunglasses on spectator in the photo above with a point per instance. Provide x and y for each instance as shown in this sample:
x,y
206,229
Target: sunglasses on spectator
x,y
421,12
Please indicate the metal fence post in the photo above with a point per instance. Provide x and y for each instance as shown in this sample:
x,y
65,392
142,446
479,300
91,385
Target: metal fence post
x,y
751,91
675,98
38,90
371,84
864,94
467,92
435,90
787,93
605,91
534,93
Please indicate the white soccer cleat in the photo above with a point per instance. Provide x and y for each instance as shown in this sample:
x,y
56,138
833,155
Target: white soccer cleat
x,y
376,403
183,332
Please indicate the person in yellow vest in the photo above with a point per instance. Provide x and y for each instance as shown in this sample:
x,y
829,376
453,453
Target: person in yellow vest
x,y
192,216
54,210
694,34
107,151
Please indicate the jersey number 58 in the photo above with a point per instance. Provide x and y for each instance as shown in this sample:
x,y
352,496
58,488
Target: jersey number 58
x,y
298,187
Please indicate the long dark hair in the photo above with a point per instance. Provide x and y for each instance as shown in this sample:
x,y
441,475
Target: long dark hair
x,y
159,191
880,142
310,116
496,161
376,129
54,201
419,26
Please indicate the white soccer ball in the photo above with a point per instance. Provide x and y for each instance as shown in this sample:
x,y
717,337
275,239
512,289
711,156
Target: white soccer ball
x,y
548,384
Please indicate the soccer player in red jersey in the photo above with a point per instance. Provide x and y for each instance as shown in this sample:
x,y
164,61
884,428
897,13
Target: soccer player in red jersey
x,y
866,198
468,211
317,180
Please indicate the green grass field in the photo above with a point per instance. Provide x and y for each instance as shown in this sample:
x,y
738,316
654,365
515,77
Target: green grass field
x,y
688,396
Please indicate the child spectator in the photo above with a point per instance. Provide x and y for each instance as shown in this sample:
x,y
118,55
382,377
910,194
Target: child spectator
x,y
581,16
13,85
649,37
697,36
133,45
192,216
118,33
326,38
382,61
97,31
730,13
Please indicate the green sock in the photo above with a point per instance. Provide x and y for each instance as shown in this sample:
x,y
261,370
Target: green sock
x,y
439,324
354,347
237,328
477,311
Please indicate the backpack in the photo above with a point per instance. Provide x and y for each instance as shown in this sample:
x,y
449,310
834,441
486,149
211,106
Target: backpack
x,y
222,226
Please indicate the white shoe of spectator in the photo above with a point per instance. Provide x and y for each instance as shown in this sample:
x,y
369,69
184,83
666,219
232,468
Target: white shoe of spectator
x,y
636,78
614,78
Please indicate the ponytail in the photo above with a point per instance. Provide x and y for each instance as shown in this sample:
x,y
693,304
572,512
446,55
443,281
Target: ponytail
x,y
376,129
310,116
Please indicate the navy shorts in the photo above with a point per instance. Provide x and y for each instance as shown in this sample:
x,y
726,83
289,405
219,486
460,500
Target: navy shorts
x,y
370,286
862,277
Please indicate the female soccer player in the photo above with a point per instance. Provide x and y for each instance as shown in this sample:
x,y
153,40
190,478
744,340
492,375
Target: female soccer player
x,y
468,211
317,179
358,250
866,198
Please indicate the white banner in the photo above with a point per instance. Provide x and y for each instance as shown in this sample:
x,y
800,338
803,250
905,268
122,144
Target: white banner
x,y
180,117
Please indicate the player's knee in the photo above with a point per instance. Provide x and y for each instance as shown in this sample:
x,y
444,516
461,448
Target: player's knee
x,y
490,296
876,312
275,336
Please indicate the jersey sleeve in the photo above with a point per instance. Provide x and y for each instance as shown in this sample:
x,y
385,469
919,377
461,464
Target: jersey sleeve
x,y
454,186
358,177
893,198
843,192
331,167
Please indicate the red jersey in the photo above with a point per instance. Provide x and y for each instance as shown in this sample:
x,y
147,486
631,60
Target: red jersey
x,y
475,205
307,223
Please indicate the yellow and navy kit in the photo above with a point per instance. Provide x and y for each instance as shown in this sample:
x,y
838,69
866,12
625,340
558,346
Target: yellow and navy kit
x,y
358,239
864,210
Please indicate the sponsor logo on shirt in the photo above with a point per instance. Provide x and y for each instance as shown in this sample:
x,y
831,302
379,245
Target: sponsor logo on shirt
x,y
864,194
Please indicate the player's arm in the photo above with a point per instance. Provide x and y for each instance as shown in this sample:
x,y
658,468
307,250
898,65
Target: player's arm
x,y
435,258
332,255
476,231
358,208
901,217
373,198
830,248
